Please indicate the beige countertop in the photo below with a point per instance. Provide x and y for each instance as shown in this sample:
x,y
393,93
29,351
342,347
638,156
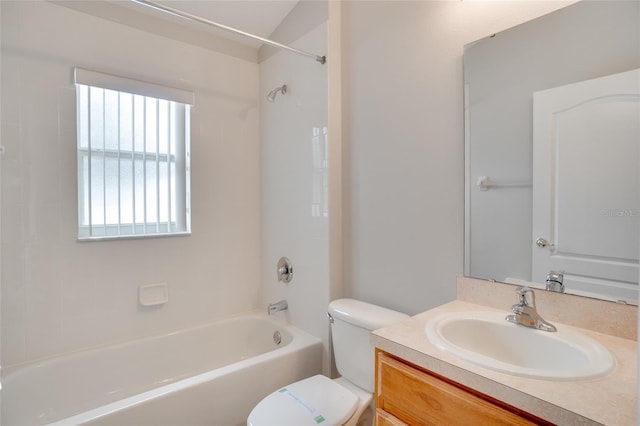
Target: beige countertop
x,y
610,400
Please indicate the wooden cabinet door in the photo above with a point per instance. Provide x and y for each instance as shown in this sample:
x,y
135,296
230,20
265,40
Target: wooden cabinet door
x,y
416,397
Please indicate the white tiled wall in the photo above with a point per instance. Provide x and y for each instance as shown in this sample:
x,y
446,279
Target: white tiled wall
x,y
294,175
58,294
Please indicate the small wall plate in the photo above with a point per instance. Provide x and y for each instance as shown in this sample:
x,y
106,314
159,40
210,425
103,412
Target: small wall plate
x,y
154,294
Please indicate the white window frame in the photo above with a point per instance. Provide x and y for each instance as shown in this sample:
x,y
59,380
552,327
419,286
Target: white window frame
x,y
140,213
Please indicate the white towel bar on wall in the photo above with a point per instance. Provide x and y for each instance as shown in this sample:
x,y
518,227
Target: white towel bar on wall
x,y
484,183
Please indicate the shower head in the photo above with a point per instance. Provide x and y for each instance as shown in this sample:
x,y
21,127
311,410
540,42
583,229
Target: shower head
x,y
272,94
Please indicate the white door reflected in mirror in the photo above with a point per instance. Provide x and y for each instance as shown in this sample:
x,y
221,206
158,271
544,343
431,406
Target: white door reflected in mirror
x,y
586,185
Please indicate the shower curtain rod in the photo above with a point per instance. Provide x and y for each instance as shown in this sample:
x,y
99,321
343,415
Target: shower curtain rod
x,y
189,16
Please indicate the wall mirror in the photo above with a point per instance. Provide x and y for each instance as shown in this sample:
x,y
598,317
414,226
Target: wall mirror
x,y
551,151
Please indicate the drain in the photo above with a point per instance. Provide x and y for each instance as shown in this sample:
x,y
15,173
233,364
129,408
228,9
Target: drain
x,y
277,338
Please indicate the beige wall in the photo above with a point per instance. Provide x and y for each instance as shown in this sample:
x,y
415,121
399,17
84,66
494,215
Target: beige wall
x,y
403,143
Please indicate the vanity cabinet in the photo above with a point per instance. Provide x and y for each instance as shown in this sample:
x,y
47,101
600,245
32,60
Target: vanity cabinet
x,y
408,395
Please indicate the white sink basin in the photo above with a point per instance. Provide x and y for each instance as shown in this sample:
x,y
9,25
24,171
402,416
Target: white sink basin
x,y
486,339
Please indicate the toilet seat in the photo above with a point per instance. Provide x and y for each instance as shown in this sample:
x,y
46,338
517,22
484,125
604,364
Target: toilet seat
x,y
314,401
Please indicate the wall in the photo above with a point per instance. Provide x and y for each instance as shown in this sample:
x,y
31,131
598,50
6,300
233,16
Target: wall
x,y
403,174
295,216
403,143
0,226
58,294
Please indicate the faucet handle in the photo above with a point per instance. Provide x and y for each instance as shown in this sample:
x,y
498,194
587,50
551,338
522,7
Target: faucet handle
x,y
526,296
525,312
555,281
557,276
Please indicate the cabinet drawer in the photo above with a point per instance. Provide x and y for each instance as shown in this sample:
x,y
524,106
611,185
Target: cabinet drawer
x,y
416,397
385,419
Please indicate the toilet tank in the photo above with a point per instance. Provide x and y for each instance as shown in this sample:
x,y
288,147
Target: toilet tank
x,y
352,323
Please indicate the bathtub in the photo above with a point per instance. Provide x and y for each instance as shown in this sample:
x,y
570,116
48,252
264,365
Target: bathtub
x,y
212,374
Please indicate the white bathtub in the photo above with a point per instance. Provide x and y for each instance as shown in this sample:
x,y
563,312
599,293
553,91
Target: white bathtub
x,y
207,375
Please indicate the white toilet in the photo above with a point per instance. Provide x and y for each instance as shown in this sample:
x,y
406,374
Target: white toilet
x,y
319,400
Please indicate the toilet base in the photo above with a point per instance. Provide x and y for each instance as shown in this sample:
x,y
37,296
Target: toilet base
x,y
363,416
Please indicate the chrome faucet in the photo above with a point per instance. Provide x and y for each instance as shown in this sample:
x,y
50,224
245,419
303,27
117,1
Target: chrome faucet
x,y
554,281
525,313
278,306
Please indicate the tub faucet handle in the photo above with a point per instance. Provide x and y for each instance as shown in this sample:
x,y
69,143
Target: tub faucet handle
x,y
285,270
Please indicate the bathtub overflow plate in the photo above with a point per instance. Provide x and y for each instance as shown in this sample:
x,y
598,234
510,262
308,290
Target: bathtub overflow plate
x,y
277,338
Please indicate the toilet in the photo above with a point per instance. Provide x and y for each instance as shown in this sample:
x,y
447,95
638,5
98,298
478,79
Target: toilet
x,y
319,400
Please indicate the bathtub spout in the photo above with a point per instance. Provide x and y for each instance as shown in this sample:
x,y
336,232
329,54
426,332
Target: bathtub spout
x,y
278,306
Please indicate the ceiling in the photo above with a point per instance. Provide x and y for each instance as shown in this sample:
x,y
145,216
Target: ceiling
x,y
259,17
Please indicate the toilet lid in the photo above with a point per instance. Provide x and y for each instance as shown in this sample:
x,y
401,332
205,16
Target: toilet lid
x,y
315,401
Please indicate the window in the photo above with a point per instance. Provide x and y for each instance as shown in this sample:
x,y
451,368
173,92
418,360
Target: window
x,y
133,157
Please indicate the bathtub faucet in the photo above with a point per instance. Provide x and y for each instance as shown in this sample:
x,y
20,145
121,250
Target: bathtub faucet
x,y
278,306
